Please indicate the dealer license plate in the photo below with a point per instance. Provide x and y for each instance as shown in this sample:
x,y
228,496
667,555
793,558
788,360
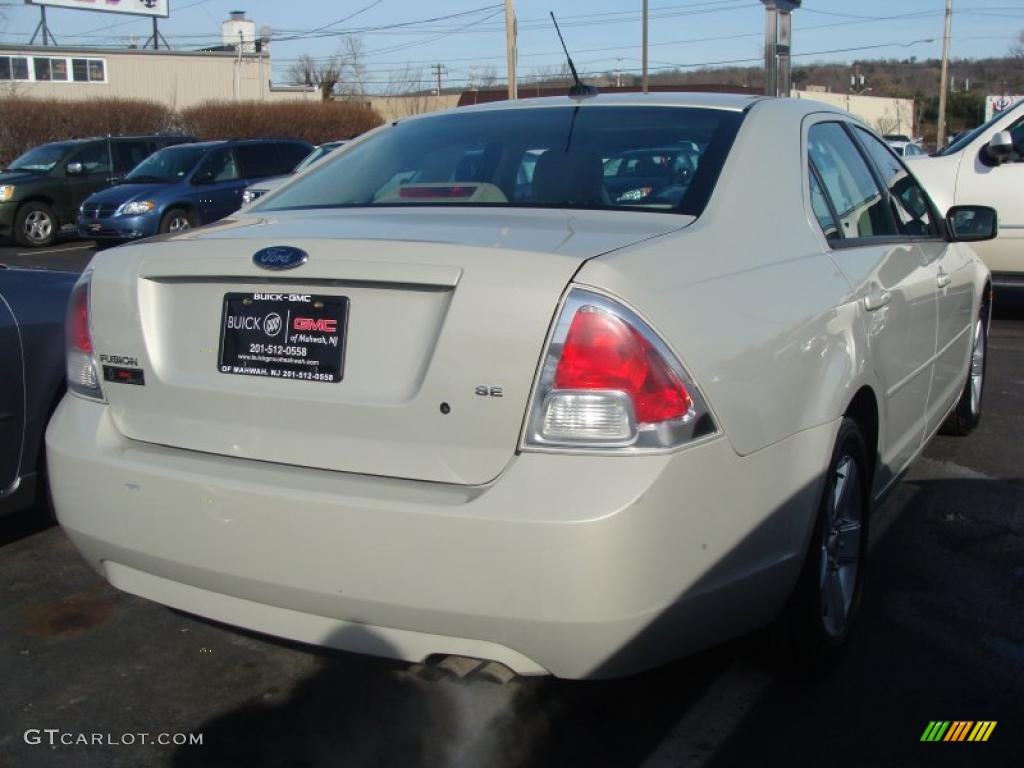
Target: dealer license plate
x,y
283,336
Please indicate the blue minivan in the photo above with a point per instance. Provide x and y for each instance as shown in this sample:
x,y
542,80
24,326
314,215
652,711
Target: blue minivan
x,y
181,187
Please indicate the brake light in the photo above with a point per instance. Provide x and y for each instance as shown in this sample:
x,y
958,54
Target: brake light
x,y
602,352
78,320
608,381
443,192
81,364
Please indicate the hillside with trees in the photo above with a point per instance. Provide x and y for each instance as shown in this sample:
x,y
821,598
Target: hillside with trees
x,y
912,78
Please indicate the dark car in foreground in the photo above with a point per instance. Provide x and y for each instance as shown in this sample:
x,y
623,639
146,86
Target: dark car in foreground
x,y
32,314
183,187
40,191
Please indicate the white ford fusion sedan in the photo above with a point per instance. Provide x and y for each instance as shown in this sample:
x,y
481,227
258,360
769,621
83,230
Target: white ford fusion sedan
x,y
575,385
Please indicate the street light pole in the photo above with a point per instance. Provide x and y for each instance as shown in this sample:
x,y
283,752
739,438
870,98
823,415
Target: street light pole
x,y
510,48
644,54
940,137
778,34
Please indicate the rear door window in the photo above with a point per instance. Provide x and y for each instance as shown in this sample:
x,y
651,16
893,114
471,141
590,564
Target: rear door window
x,y
128,154
908,202
291,155
259,160
218,166
847,179
822,210
94,158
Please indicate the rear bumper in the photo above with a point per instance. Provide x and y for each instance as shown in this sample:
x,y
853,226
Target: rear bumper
x,y
574,565
120,228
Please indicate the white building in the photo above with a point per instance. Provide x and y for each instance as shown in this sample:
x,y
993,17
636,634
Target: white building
x,y
177,79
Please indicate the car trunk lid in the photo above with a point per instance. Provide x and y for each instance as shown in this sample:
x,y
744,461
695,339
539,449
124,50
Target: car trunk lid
x,y
447,316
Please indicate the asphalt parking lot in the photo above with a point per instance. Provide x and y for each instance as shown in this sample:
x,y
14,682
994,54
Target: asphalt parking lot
x,y
941,637
67,253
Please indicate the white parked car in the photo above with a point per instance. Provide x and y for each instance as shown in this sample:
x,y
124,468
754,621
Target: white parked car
x,y
986,165
420,402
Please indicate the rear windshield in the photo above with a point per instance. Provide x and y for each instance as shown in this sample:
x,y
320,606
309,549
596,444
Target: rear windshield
x,y
607,157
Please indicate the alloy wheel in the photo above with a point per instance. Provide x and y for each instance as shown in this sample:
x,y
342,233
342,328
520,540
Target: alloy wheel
x,y
840,546
977,368
38,226
179,224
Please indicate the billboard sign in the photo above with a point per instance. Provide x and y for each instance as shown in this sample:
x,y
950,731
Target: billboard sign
x,y
134,7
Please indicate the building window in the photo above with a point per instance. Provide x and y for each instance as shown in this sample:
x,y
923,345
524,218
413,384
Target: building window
x,y
13,68
42,69
89,70
50,69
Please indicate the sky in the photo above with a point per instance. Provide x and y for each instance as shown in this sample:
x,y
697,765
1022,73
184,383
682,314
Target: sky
x,y
468,36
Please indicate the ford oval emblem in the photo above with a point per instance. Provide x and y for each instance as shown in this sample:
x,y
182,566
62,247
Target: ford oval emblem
x,y
280,257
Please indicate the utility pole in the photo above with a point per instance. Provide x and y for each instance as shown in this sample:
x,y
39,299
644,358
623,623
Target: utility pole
x,y
644,55
940,138
778,34
510,48
439,69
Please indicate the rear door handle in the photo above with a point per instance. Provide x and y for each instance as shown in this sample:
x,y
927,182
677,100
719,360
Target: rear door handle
x,y
943,279
876,299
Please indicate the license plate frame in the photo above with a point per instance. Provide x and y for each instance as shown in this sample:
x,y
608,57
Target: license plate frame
x,y
278,335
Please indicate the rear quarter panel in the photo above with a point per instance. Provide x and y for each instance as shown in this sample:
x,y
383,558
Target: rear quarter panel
x,y
748,297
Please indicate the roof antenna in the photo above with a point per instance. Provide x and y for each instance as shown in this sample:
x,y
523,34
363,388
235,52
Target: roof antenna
x,y
579,90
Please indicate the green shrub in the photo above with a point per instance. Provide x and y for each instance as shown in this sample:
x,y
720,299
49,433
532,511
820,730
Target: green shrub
x,y
314,121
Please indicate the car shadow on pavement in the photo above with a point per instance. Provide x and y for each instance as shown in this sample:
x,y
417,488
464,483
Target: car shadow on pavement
x,y
1009,305
363,711
941,636
26,522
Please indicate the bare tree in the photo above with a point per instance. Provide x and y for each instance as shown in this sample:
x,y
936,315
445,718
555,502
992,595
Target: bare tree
x,y
1017,49
353,68
483,77
887,124
554,75
404,93
325,74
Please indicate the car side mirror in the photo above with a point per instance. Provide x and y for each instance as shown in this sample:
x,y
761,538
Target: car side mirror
x,y
74,169
1000,147
971,223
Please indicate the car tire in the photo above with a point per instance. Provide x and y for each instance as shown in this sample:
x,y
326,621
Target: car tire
x,y
967,413
177,220
824,604
35,225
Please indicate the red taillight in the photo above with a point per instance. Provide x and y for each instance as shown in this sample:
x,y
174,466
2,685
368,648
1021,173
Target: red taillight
x,y
603,352
82,378
78,319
